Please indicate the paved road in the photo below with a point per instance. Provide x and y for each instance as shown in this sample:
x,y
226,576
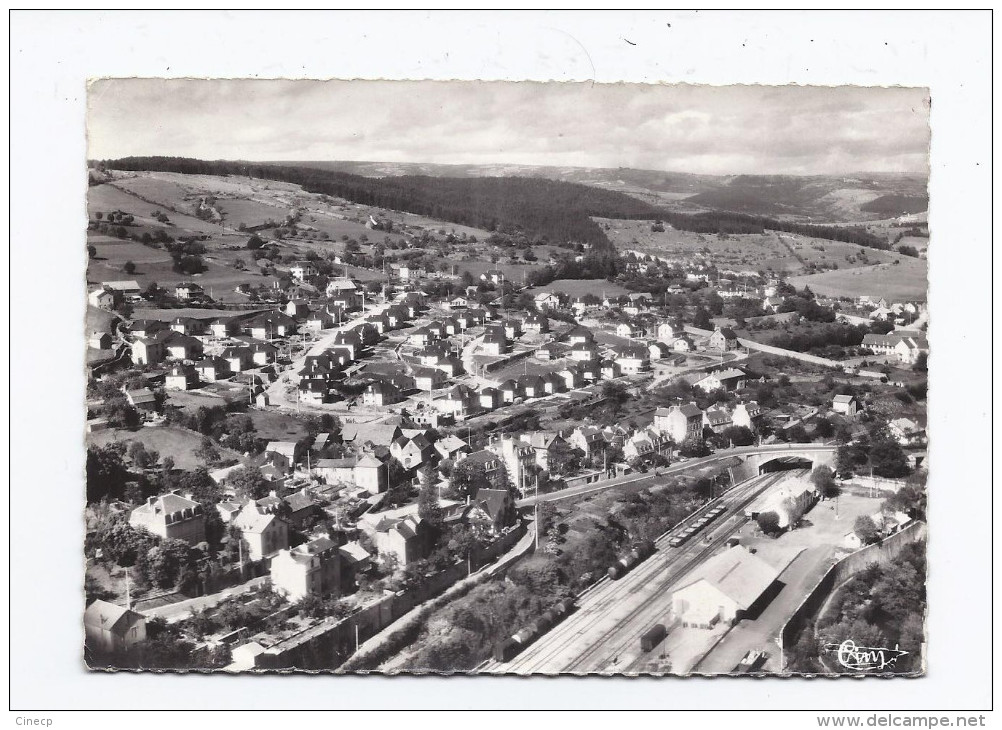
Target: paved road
x,y
674,469
182,610
603,634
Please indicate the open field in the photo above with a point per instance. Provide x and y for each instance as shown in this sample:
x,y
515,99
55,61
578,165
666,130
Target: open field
x,y
574,288
218,276
750,251
117,251
275,425
249,212
824,253
905,281
781,252
179,443
108,197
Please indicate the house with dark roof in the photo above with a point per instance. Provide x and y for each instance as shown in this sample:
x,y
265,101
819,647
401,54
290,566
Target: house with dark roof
x,y
633,359
645,444
458,402
680,422
181,377
297,308
269,325
536,323
723,338
717,420
263,353
578,335
212,369
380,394
490,398
532,386
238,358
584,352
553,383
142,399
493,508
112,629
610,369
412,452
494,342
426,378
510,390
683,343
512,328
488,464
313,390
181,346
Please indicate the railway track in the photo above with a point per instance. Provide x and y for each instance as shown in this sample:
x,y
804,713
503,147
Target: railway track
x,y
571,631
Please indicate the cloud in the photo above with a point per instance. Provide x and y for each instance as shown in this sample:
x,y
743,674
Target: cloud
x,y
722,130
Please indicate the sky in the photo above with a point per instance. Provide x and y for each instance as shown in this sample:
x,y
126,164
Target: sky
x,y
798,130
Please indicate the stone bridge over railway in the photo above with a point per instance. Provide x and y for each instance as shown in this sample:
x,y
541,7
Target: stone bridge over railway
x,y
744,462
766,459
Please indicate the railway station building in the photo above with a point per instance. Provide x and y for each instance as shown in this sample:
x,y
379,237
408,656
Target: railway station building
x,y
727,587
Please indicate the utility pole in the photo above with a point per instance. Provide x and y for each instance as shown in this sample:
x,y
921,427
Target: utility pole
x,y
535,511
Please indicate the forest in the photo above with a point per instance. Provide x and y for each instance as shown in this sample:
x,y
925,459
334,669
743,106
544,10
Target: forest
x,y
549,210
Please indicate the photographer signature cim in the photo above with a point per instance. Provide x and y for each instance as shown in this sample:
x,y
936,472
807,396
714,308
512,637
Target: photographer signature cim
x,y
864,658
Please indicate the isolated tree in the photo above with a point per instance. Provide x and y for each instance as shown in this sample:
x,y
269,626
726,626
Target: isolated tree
x,y
866,530
768,522
429,508
162,565
845,460
248,482
129,268
92,252
208,452
823,479
106,473
466,480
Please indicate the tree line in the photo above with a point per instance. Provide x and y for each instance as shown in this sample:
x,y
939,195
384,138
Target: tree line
x,y
554,211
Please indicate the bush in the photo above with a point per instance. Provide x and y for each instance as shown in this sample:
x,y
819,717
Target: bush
x,y
768,522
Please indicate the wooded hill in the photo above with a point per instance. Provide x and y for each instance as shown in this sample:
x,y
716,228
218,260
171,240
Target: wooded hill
x,y
545,210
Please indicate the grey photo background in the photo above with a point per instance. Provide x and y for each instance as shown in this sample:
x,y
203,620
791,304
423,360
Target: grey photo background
x,y
756,130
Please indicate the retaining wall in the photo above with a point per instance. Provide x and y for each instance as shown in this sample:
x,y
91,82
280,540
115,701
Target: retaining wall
x,y
880,553
331,642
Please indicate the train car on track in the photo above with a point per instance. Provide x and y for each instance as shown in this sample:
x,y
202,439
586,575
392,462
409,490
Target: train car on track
x,y
628,562
509,648
683,537
652,637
